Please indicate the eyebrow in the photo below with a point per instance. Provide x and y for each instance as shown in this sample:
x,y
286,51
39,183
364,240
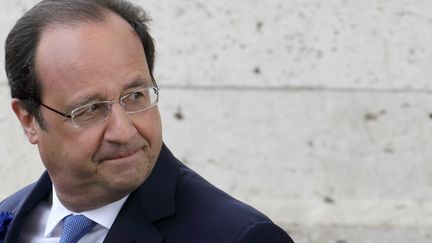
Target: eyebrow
x,y
85,100
138,82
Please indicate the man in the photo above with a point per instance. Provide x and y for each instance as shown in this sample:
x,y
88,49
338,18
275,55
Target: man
x,y
80,73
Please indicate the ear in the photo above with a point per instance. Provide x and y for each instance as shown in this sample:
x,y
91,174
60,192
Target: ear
x,y
28,122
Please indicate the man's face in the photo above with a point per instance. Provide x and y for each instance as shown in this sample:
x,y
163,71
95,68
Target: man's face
x,y
97,163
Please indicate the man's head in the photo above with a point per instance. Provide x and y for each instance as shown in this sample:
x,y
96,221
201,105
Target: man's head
x,y
75,53
23,40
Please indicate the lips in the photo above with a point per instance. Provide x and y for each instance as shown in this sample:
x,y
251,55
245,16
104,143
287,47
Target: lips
x,y
119,154
116,152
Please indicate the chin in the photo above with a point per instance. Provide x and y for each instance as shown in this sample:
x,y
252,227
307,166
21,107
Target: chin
x,y
122,187
128,182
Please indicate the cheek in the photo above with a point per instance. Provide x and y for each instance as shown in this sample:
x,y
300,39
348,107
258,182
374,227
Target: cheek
x,y
151,130
71,155
149,126
82,148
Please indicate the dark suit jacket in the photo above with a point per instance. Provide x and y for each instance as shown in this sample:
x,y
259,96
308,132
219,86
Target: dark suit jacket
x,y
174,205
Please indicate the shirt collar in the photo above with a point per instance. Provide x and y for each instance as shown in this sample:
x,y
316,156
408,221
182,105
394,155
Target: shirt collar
x,y
103,216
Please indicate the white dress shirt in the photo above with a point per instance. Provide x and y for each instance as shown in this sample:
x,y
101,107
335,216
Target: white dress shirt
x,y
45,223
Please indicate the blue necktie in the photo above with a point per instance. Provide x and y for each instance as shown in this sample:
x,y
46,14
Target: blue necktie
x,y
75,227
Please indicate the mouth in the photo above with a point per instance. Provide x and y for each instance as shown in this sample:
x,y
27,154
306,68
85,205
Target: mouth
x,y
125,155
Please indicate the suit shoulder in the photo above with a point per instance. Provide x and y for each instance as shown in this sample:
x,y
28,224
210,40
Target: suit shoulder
x,y
205,196
264,232
219,216
13,202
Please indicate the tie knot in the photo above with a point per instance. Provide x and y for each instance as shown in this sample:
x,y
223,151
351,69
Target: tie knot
x,y
75,227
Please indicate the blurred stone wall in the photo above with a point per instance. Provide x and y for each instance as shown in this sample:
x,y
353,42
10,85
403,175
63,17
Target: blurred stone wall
x,y
318,113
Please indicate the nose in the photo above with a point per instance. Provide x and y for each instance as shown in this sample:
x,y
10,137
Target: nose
x,y
120,129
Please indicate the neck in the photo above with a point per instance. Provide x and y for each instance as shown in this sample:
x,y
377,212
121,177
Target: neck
x,y
87,201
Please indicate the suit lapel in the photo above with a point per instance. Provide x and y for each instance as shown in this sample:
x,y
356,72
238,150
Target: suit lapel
x,y
40,191
131,225
152,201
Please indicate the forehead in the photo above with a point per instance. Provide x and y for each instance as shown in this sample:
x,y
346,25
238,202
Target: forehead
x,y
89,57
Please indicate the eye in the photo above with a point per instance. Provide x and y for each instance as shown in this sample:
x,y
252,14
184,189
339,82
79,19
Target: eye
x,y
136,95
92,108
88,110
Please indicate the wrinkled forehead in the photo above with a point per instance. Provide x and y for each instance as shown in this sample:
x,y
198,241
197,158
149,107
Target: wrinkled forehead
x,y
86,44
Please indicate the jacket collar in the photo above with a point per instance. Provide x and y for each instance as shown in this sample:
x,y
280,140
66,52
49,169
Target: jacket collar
x,y
157,195
41,191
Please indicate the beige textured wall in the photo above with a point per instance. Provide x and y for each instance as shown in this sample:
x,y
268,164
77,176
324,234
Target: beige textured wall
x,y
316,112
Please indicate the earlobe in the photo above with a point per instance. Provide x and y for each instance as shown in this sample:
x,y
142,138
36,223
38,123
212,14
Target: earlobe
x,y
28,122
